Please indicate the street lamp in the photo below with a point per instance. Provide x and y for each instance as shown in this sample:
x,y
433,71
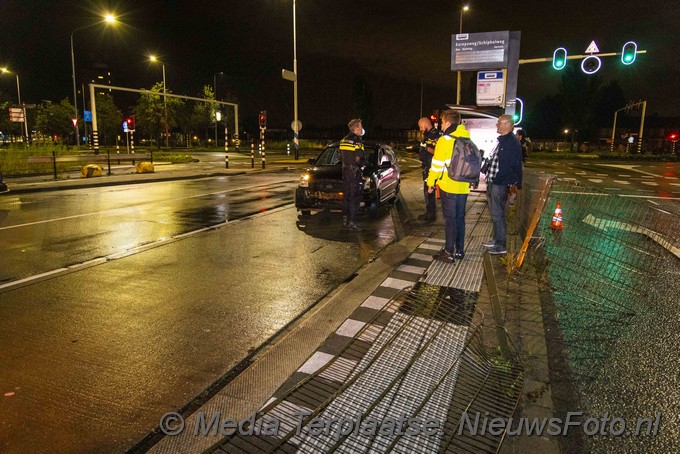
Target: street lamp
x,y
153,58
460,30
6,71
108,19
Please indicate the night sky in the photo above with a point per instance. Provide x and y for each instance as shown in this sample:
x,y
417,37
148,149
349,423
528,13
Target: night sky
x,y
393,44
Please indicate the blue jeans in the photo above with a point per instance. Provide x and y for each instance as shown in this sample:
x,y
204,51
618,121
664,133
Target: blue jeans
x,y
453,210
497,196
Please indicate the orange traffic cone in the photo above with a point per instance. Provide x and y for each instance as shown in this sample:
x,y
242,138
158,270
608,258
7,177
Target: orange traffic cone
x,y
556,223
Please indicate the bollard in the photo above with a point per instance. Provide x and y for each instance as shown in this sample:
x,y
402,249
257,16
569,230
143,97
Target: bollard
x,y
252,155
54,163
288,148
226,148
132,142
262,144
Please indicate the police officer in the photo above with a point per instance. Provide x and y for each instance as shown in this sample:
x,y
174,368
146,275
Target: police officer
x,y
425,152
352,150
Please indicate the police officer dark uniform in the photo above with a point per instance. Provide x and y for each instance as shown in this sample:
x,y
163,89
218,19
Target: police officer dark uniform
x,y
352,150
425,153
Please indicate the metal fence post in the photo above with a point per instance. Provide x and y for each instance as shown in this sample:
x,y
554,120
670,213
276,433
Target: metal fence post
x,y
496,305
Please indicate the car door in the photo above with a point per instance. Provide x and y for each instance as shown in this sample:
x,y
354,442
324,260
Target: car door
x,y
388,177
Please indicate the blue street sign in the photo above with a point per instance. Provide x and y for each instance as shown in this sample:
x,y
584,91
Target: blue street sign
x,y
87,114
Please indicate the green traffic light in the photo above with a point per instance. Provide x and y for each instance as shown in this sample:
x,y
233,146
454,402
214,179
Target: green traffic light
x,y
628,53
559,58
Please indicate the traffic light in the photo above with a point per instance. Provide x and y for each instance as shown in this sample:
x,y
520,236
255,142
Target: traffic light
x,y
673,136
560,58
591,64
129,122
628,53
433,118
263,119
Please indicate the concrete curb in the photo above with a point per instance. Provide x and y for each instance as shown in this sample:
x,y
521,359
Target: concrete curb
x,y
63,185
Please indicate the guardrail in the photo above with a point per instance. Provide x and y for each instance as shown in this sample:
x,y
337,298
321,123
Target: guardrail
x,y
90,158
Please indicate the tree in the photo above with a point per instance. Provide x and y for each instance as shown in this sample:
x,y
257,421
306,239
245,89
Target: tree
x,y
153,116
54,119
610,100
362,101
109,118
203,114
579,94
545,119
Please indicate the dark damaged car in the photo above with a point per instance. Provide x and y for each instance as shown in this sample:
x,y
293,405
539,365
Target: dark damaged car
x,y
320,186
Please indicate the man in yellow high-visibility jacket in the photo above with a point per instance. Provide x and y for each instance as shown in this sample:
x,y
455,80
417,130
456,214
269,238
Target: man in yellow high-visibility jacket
x,y
453,193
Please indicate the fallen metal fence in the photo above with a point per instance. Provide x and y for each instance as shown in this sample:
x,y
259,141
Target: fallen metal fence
x,y
420,358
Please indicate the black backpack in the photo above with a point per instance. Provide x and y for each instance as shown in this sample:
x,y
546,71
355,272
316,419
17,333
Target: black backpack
x,y
466,161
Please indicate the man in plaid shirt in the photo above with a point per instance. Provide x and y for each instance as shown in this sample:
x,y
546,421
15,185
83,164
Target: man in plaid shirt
x,y
505,170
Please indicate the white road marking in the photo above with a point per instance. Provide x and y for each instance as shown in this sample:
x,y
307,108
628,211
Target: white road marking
x,y
629,167
650,183
594,180
632,196
605,224
621,182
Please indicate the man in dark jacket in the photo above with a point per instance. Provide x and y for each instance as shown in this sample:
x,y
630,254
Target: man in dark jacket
x,y
425,153
352,150
505,170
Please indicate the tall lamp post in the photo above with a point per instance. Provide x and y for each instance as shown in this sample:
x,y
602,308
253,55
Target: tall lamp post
x,y
108,19
6,71
296,123
460,30
153,58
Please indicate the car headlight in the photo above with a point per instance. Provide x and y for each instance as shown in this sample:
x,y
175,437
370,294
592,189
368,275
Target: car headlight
x,y
304,181
367,182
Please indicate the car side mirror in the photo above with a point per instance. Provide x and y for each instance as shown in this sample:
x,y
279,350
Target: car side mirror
x,y
385,165
311,161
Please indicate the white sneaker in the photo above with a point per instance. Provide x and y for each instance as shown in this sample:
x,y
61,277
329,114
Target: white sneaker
x,y
490,243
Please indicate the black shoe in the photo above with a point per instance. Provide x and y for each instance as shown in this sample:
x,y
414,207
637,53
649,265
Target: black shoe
x,y
445,256
429,219
459,255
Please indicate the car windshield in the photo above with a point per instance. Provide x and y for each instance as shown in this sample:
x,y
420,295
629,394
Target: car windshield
x,y
331,156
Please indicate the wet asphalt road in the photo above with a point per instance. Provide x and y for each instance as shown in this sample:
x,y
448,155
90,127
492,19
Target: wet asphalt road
x,y
651,179
92,358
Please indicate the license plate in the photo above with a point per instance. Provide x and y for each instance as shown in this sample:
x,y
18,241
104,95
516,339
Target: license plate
x,y
328,195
